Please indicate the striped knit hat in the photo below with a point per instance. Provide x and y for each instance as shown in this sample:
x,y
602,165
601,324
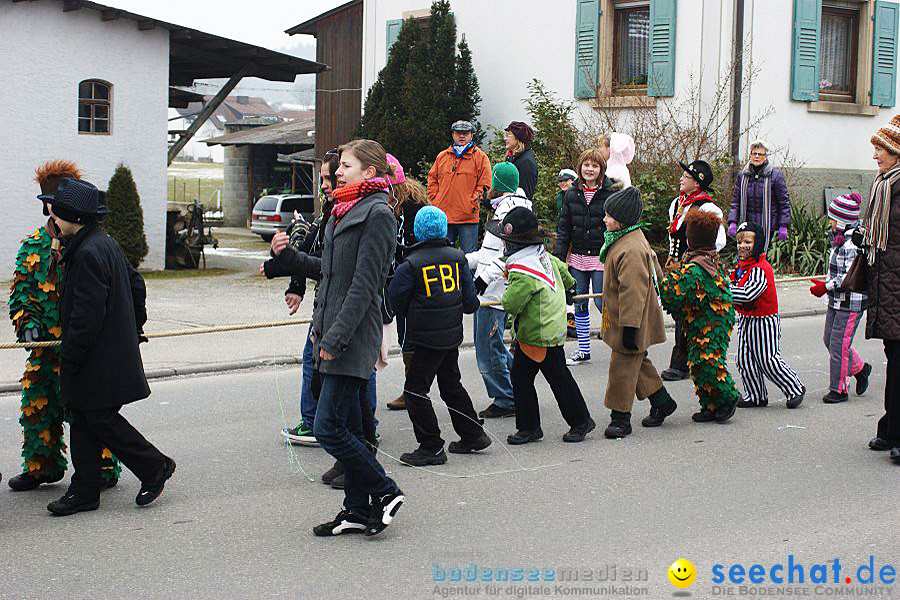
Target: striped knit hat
x,y
845,208
888,137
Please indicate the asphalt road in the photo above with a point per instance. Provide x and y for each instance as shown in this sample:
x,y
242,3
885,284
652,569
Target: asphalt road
x,y
235,520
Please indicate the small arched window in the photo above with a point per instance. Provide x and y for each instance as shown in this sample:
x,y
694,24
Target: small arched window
x,y
94,105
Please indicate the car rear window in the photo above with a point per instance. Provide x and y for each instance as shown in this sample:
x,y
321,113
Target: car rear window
x,y
301,205
266,203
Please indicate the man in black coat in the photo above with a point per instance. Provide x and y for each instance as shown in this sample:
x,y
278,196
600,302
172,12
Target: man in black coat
x,y
102,310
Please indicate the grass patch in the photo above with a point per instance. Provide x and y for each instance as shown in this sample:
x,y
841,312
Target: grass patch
x,y
187,273
187,181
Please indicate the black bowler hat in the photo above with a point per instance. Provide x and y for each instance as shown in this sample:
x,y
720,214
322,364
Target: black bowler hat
x,y
700,171
519,226
75,201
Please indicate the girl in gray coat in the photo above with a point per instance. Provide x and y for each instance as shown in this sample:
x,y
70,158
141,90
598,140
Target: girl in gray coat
x,y
346,332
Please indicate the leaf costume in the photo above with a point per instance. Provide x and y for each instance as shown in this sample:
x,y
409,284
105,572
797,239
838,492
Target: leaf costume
x,y
703,303
34,305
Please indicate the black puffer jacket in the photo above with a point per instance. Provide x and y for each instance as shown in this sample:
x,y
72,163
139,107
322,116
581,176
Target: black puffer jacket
x,y
526,164
581,224
883,321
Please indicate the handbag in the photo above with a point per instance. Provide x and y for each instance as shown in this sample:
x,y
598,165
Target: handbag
x,y
855,279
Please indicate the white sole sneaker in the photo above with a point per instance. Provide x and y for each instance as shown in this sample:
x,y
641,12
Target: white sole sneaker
x,y
300,440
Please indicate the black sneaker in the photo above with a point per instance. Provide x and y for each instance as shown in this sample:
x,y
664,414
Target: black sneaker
x,y
795,401
524,436
151,491
422,457
344,522
338,482
673,374
384,509
658,414
895,456
833,397
329,475
862,379
879,444
24,482
467,447
723,413
496,412
70,504
576,434
744,403
579,358
704,416
617,429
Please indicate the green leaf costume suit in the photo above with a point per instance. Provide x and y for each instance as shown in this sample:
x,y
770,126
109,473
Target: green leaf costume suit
x,y
34,304
704,304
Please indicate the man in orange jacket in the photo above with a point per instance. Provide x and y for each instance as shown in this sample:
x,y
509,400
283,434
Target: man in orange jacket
x,y
456,183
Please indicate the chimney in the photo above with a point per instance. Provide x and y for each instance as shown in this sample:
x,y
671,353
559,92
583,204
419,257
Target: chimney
x,y
243,99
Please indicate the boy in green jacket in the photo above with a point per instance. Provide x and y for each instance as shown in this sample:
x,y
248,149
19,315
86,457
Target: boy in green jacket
x,y
535,299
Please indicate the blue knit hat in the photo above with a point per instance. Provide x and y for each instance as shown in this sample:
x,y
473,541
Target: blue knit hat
x,y
430,224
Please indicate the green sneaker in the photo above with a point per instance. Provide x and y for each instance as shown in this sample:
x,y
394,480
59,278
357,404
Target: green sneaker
x,y
300,434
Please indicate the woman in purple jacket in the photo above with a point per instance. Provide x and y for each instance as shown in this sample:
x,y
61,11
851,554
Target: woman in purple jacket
x,y
761,196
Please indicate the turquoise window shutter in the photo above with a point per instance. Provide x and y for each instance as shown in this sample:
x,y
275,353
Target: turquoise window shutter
x,y
661,67
805,50
393,30
587,45
884,54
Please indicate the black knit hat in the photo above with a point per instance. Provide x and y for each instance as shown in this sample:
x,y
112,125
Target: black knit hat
x,y
700,171
519,226
625,206
759,241
76,201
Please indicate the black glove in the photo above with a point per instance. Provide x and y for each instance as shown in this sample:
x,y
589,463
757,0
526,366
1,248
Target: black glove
x,y
857,238
480,285
628,338
486,202
570,296
141,337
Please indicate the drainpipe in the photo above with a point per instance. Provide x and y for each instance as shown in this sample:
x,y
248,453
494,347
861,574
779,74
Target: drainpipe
x,y
738,60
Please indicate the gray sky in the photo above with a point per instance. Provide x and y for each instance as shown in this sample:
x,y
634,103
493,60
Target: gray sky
x,y
259,22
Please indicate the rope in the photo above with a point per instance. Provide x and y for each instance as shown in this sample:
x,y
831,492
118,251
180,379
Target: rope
x,y
270,324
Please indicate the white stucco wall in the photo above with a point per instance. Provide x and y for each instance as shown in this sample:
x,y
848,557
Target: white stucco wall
x,y
543,47
512,42
45,53
821,140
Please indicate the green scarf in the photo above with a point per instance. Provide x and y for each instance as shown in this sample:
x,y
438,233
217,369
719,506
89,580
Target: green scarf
x,y
611,237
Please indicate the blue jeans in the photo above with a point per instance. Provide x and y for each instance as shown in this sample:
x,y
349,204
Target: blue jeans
x,y
467,233
583,282
339,432
494,360
308,401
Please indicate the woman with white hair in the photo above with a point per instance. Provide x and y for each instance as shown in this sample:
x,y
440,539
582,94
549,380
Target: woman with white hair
x,y
761,196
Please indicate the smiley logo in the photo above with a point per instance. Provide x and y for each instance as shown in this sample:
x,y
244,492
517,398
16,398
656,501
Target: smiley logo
x,y
682,573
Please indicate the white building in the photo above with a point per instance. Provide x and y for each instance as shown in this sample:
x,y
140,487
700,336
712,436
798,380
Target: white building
x,y
91,83
818,61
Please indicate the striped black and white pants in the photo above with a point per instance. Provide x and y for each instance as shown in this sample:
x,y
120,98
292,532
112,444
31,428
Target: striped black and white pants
x,y
759,358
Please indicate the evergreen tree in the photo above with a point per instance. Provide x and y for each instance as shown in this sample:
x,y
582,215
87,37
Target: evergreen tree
x,y
125,221
466,93
421,91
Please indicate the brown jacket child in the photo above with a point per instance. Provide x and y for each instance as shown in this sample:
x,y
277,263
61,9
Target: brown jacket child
x,y
632,316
